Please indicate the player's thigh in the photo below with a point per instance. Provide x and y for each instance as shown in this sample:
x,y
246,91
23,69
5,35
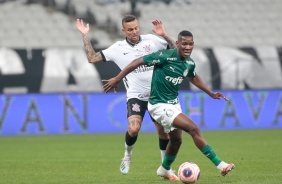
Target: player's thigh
x,y
160,131
135,111
185,123
159,128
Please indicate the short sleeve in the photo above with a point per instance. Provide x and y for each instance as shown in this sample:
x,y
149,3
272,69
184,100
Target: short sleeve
x,y
192,66
153,59
160,43
191,74
109,54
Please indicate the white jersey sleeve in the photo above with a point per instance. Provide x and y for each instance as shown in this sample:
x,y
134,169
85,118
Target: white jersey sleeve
x,y
138,82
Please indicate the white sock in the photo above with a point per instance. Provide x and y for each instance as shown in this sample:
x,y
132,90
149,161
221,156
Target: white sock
x,y
162,155
128,149
221,165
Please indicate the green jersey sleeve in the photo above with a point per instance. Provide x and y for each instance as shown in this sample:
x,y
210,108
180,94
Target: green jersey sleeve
x,y
154,58
192,66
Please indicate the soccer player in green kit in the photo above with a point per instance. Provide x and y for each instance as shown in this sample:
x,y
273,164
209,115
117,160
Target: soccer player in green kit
x,y
170,68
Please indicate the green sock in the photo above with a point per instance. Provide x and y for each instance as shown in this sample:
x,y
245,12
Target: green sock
x,y
208,152
168,159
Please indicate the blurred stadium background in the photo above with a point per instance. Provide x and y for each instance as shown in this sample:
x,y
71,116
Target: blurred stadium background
x,y
238,46
237,42
234,23
48,87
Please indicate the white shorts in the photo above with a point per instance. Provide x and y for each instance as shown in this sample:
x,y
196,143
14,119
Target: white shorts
x,y
164,114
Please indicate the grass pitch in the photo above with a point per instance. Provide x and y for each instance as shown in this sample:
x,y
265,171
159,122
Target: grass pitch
x,y
95,158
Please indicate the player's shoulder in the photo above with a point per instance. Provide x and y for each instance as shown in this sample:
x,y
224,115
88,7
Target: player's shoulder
x,y
165,52
190,61
118,44
169,51
148,37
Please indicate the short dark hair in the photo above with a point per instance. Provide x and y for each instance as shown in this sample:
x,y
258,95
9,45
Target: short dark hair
x,y
185,33
128,18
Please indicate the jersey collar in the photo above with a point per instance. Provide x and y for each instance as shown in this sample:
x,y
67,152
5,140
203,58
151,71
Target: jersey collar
x,y
131,43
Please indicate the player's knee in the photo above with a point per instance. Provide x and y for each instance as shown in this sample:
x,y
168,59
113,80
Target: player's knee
x,y
160,130
134,125
176,142
134,130
194,131
163,135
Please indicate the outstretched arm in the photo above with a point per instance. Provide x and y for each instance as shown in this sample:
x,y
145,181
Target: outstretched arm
x,y
197,81
160,31
92,56
113,82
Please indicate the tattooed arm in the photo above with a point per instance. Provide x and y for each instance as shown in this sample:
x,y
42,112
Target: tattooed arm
x,y
160,31
170,41
92,56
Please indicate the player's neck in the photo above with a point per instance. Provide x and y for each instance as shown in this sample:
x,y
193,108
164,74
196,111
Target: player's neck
x,y
133,43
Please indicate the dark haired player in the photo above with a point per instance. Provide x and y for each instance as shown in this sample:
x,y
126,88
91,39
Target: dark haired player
x,y
137,83
170,68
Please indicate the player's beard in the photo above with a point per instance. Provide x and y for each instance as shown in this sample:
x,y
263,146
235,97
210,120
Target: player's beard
x,y
134,39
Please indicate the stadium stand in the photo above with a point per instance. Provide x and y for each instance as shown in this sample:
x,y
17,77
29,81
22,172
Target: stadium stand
x,y
213,22
37,26
237,42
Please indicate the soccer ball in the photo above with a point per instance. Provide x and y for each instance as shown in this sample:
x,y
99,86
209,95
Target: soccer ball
x,y
189,172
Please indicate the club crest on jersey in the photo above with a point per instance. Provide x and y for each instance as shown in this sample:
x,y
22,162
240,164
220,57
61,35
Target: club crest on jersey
x,y
136,107
147,49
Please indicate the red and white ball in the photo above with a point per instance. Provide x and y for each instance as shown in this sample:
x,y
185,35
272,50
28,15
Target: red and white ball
x,y
189,172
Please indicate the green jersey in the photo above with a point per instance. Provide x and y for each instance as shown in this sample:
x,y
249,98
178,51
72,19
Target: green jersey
x,y
169,72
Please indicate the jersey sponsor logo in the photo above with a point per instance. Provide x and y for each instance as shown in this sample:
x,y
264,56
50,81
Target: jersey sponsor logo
x,y
125,53
143,68
155,61
174,101
190,62
136,107
172,59
147,95
172,68
174,80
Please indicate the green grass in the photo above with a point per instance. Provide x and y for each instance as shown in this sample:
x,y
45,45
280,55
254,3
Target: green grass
x,y
83,159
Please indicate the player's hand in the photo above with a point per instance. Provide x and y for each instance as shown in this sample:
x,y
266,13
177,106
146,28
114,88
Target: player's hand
x,y
158,28
80,26
219,95
111,83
